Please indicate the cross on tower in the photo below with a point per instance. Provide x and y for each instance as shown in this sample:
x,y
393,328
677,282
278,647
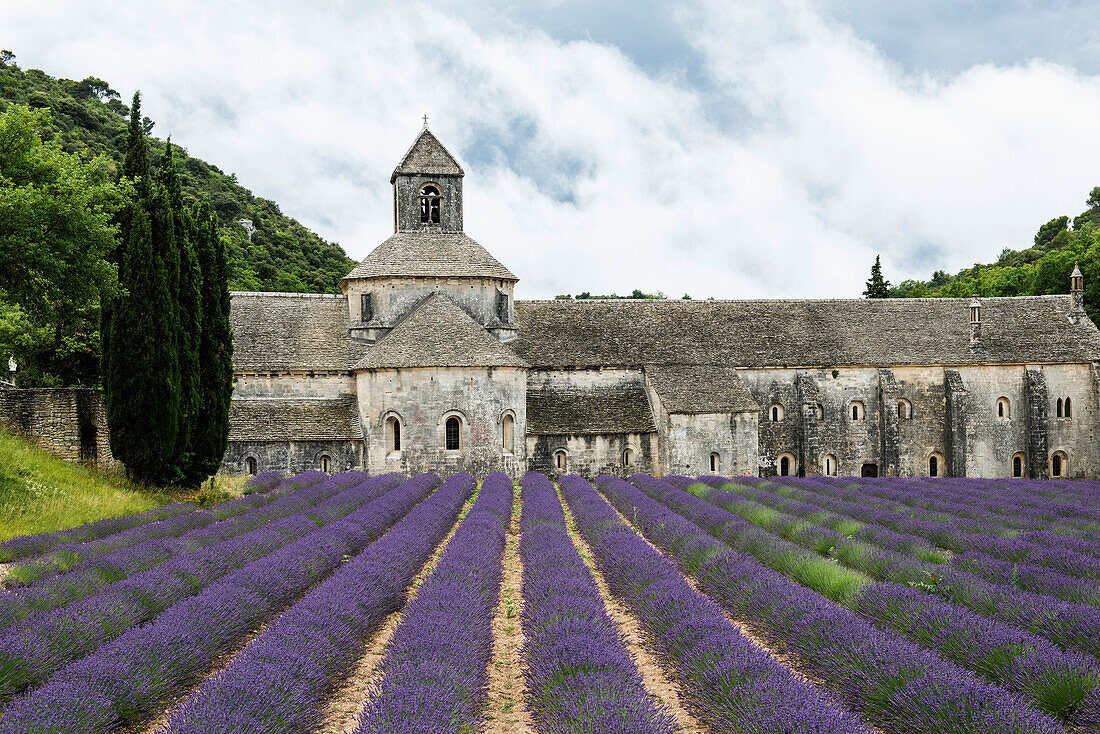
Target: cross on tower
x,y
425,122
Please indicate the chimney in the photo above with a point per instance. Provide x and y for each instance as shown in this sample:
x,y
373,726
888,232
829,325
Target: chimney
x,y
1077,293
975,324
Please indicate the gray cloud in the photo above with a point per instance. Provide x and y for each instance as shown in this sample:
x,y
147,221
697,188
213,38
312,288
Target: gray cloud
x,y
805,150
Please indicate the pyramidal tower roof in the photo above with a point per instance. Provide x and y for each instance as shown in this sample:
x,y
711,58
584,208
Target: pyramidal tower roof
x,y
427,157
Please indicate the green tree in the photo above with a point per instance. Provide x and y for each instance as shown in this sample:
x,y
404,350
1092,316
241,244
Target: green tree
x,y
56,220
877,286
1046,235
210,436
142,374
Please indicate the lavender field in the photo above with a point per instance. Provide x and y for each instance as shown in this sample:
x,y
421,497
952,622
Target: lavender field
x,y
370,604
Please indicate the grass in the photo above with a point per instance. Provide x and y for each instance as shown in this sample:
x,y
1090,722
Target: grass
x,y
41,493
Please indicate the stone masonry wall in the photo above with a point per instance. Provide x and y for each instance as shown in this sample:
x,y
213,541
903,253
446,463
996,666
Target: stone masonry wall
x,y
292,457
593,455
70,423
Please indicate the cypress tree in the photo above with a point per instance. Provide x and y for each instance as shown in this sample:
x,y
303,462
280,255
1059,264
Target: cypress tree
x,y
877,286
188,306
141,376
211,431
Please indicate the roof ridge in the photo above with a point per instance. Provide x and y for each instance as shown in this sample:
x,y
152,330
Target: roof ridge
x,y
282,294
692,301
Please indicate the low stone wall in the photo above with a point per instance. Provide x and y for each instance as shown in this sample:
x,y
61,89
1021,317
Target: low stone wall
x,y
68,422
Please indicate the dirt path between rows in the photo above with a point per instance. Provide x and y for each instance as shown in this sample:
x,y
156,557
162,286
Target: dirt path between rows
x,y
507,705
654,679
346,702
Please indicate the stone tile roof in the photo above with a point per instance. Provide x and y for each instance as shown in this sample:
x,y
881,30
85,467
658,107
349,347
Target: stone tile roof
x,y
427,156
773,333
701,389
438,333
603,409
430,255
294,419
290,331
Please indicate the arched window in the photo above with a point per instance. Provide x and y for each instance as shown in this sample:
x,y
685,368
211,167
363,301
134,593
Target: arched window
x,y
715,462
508,432
560,461
1018,465
777,413
250,464
856,410
829,465
454,433
1069,409
1004,408
820,409
905,409
935,464
785,465
325,463
429,204
628,458
1059,464
1059,408
393,433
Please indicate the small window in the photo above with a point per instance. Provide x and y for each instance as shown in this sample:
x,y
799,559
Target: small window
x,y
508,431
454,433
559,460
820,410
1059,408
1069,409
715,463
628,458
1059,464
502,306
250,464
905,409
1018,465
829,465
393,433
366,306
777,413
325,464
935,464
1004,408
429,204
856,410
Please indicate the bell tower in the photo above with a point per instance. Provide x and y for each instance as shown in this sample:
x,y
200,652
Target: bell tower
x,y
427,188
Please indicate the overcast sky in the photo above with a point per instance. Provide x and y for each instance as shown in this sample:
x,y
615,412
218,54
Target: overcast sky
x,y
727,149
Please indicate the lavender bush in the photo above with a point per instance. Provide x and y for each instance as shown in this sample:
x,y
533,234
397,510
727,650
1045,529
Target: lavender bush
x,y
580,677
278,683
893,683
728,682
434,676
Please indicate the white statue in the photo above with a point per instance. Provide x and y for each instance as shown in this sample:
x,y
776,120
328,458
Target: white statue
x,y
12,365
247,224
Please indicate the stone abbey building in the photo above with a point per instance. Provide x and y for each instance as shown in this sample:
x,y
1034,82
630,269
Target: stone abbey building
x,y
427,362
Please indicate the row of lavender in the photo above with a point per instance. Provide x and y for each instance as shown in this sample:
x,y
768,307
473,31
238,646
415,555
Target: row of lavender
x,y
580,677
892,682
1052,604
1062,683
724,679
133,675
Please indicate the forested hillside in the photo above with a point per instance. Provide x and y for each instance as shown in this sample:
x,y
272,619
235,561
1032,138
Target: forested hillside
x,y
88,117
1041,269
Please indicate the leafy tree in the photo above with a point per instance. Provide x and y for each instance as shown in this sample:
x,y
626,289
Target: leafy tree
x,y
877,286
56,220
142,374
1046,235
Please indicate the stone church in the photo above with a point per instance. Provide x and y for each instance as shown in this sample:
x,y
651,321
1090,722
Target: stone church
x,y
428,362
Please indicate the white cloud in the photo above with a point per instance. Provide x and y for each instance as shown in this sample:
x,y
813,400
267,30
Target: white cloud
x,y
584,172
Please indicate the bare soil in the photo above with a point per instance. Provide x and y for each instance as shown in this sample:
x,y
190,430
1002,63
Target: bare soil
x,y
654,679
507,709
